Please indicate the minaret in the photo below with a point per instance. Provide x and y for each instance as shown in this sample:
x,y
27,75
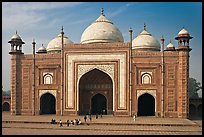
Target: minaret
x,y
162,81
183,72
16,74
62,69
130,66
33,83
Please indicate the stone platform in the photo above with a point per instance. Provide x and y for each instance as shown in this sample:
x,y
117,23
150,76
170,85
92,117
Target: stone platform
x,y
104,120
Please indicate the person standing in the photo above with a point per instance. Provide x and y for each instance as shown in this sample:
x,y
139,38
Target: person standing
x,y
85,117
60,123
96,115
134,117
67,122
90,117
101,113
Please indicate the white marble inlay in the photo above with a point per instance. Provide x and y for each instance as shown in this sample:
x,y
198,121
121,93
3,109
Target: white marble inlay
x,y
108,69
53,92
70,58
151,92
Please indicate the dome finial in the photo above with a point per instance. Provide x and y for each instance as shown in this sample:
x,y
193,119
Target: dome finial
x,y
145,27
62,28
33,41
102,12
130,29
16,31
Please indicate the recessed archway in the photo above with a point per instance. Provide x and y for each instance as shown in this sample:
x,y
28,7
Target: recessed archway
x,y
6,106
98,104
93,85
47,104
192,110
146,105
199,110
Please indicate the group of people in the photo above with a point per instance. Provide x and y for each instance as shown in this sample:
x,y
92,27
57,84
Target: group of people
x,y
53,121
76,121
90,117
69,122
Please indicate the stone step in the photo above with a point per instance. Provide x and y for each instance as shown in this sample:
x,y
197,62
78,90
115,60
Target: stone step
x,y
105,123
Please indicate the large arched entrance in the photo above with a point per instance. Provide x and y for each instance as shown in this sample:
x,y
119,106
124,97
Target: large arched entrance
x,y
95,87
6,106
146,105
98,104
47,104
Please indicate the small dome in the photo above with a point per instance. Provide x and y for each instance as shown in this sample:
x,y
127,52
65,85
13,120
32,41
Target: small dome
x,y
183,32
145,41
42,49
170,45
55,45
16,39
101,31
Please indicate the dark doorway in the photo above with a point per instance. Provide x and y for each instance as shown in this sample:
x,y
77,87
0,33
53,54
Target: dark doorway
x,y
47,104
98,104
200,110
6,106
146,105
98,83
192,110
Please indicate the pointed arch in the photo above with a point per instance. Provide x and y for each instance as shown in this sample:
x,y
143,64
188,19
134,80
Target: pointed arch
x,y
92,83
6,106
146,105
98,104
47,104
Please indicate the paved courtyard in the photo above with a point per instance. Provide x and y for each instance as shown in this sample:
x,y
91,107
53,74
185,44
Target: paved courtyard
x,y
107,125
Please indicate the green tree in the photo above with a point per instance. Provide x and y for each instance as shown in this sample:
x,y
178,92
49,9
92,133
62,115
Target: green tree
x,y
193,87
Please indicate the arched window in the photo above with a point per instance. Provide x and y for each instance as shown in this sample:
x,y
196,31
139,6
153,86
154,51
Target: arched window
x,y
146,78
47,79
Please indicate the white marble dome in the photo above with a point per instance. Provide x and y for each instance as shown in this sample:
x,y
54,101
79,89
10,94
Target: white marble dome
x,y
183,32
145,41
101,31
15,37
42,49
170,45
56,44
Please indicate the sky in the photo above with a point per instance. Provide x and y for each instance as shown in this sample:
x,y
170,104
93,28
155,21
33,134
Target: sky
x,y
42,21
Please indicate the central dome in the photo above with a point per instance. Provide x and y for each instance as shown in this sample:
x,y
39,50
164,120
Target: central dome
x,y
101,31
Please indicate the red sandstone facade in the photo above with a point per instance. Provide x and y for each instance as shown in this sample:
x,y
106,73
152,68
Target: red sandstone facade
x,y
102,75
175,99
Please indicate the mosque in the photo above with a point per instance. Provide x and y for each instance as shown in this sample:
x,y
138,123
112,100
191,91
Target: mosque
x,y
102,74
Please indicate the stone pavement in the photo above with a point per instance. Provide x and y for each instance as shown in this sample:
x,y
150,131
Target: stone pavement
x,y
105,125
106,119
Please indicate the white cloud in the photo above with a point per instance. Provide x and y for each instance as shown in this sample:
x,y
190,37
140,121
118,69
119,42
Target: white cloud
x,y
121,9
36,6
24,15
